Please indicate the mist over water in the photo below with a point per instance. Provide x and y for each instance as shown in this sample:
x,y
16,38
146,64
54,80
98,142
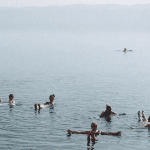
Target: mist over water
x,y
76,53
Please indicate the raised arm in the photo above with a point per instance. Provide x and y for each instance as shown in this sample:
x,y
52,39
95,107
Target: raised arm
x,y
111,133
77,132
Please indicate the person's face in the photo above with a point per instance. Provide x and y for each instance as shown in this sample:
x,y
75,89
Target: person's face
x,y
94,128
11,98
108,108
51,98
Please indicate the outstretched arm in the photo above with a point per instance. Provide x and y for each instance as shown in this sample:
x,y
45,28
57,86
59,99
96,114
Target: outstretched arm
x,y
111,133
143,126
138,127
113,113
77,132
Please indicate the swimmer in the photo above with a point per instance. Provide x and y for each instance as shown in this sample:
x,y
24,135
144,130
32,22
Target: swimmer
x,y
124,50
51,103
92,134
108,112
0,99
51,98
11,101
146,122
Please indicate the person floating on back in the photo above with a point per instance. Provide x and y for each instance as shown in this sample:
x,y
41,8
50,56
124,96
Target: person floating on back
x,y
92,134
51,103
124,50
108,112
146,123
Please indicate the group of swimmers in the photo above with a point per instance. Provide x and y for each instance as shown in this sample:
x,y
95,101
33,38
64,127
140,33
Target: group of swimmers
x,y
37,106
91,134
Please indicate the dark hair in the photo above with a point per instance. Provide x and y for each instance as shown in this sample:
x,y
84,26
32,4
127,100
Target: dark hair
x,y
11,95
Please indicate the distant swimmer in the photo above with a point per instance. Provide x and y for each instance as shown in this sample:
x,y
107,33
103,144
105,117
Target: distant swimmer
x,y
92,134
146,122
0,99
11,101
51,103
108,112
124,50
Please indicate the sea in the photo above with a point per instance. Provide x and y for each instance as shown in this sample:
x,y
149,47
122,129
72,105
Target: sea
x,y
76,53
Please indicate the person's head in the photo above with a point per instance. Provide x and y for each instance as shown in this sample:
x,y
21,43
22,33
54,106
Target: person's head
x,y
11,96
51,98
94,126
149,119
108,107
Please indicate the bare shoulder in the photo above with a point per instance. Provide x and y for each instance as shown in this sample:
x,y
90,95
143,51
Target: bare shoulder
x,y
102,113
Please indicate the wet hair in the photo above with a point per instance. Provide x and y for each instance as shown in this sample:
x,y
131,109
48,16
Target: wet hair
x,y
93,124
107,105
53,95
11,95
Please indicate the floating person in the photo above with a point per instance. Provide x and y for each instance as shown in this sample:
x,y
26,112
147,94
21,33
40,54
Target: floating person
x,y
108,112
124,50
11,101
146,122
92,134
51,103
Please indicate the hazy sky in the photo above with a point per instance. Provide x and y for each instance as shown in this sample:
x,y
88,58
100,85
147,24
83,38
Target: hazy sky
x,y
18,3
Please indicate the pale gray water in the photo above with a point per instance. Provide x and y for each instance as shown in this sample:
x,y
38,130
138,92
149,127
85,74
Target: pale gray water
x,y
85,71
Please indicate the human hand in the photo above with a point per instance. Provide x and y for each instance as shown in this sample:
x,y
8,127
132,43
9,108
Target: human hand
x,y
68,130
119,133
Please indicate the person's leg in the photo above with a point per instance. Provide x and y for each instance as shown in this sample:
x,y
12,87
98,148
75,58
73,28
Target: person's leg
x,y
39,106
139,116
88,140
143,115
35,106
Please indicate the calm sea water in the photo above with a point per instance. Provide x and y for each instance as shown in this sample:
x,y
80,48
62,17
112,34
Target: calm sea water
x,y
85,71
